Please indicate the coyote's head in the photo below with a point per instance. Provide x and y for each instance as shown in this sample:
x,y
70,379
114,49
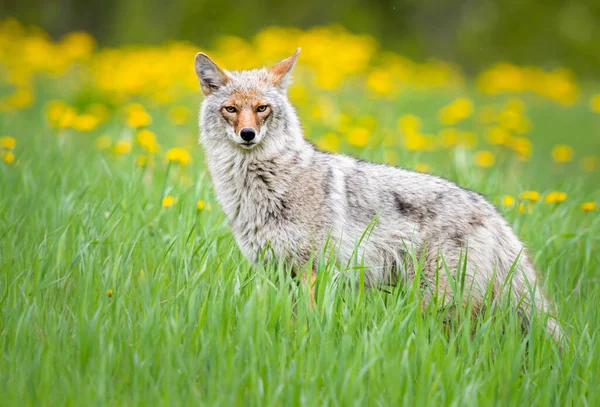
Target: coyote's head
x,y
247,109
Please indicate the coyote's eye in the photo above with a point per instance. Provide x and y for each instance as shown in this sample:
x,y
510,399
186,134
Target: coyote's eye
x,y
230,109
262,108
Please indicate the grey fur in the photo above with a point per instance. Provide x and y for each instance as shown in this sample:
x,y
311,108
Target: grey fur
x,y
286,194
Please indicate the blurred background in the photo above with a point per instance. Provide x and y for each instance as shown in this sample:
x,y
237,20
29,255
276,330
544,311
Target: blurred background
x,y
472,33
481,91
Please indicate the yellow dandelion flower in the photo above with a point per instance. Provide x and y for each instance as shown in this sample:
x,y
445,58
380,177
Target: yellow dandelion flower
x,y
329,78
463,107
179,114
525,208
521,145
459,109
78,45
380,82
485,159
588,206
510,120
589,163
523,126
555,197
595,103
414,141
85,122
8,157
358,136
103,142
344,123
8,142
21,98
446,116
178,155
530,195
138,119
562,153
61,115
147,139
54,110
200,205
137,116
67,118
409,123
508,200
168,201
422,167
497,135
317,112
109,293
122,147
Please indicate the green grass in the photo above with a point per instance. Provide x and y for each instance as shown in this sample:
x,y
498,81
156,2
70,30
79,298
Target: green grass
x,y
190,321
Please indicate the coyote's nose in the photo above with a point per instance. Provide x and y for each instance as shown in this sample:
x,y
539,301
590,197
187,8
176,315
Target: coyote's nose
x,y
247,134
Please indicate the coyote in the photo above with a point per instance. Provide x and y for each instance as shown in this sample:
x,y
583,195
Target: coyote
x,y
280,192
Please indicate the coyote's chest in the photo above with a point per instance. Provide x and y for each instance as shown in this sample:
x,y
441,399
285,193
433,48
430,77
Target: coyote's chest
x,y
253,195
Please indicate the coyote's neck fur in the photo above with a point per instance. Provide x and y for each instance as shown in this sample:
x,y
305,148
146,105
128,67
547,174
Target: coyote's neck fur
x,y
281,193
252,180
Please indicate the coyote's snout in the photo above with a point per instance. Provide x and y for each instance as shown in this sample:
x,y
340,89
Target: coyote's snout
x,y
279,191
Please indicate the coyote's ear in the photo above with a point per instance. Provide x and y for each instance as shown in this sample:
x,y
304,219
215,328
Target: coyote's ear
x,y
210,76
281,72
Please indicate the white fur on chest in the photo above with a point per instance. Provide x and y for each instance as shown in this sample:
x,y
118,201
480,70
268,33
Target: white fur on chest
x,y
252,194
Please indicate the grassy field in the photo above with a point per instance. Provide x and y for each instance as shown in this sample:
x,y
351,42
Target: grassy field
x,y
121,284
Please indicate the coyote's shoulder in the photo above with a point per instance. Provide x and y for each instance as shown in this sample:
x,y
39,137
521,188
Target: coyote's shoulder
x,y
280,192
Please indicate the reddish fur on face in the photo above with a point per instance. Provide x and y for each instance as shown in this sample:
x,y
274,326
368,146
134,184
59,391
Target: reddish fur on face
x,y
246,114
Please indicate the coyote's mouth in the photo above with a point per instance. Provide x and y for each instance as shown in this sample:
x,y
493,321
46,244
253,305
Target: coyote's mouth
x,y
247,145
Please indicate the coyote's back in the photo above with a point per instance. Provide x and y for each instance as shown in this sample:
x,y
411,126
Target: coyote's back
x,y
278,191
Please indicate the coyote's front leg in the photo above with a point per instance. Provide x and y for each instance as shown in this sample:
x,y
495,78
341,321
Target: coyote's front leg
x,y
308,279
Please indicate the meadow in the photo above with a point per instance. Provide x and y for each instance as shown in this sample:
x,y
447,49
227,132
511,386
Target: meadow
x,y
120,281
